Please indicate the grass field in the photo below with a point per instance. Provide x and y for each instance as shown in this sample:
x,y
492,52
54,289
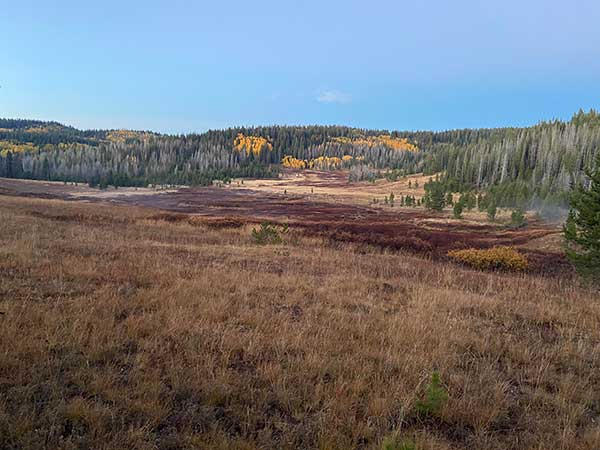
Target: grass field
x,y
334,185
121,331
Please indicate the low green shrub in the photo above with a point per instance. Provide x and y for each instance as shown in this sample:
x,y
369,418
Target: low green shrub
x,y
434,399
269,233
517,218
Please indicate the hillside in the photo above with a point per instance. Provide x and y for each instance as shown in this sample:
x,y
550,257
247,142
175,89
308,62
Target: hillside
x,y
539,163
38,134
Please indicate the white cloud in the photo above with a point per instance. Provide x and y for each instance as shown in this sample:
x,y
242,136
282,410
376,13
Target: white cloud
x,y
332,96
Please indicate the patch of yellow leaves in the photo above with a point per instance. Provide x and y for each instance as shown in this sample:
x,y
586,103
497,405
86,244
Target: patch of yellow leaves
x,y
124,135
321,162
7,146
401,144
500,257
251,144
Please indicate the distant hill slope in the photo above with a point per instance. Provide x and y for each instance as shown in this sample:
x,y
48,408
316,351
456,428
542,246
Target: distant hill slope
x,y
39,133
542,161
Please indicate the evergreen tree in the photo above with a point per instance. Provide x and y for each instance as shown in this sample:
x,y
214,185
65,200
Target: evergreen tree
x,y
434,195
470,200
9,165
517,218
458,209
491,209
582,229
480,202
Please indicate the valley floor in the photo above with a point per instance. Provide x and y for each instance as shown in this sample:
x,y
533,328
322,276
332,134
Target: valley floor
x,y
324,204
123,326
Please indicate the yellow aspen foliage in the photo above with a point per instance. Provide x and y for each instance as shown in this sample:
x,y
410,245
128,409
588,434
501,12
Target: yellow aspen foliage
x,y
293,163
124,135
321,162
327,162
251,144
401,144
7,146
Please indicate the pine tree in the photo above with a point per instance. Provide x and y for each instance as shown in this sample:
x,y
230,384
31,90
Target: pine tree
x,y
434,196
517,218
582,229
491,209
9,165
470,201
458,209
480,202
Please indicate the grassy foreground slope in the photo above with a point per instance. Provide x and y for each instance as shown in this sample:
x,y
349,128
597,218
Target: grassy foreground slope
x,y
122,332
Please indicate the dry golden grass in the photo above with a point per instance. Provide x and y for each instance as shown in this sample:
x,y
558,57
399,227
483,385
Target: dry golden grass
x,y
122,332
334,185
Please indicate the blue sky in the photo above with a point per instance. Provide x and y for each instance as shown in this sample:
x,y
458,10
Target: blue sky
x,y
175,66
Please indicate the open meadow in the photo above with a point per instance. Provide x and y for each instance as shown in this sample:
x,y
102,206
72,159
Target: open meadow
x,y
300,225
155,320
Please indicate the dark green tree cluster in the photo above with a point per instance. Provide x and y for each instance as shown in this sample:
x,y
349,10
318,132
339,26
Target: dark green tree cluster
x,y
409,200
541,162
582,229
435,195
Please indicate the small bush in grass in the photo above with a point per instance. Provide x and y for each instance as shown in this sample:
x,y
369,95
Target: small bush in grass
x,y
268,233
504,258
434,398
517,218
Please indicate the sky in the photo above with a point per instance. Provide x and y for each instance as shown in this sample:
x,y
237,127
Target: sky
x,y
182,66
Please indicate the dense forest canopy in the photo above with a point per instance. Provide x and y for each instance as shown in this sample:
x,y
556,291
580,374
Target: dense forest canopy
x,y
543,161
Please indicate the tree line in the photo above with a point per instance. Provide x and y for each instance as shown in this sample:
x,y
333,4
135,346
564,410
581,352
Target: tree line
x,y
539,163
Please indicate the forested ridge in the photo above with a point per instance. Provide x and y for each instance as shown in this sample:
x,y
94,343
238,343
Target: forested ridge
x,y
543,161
